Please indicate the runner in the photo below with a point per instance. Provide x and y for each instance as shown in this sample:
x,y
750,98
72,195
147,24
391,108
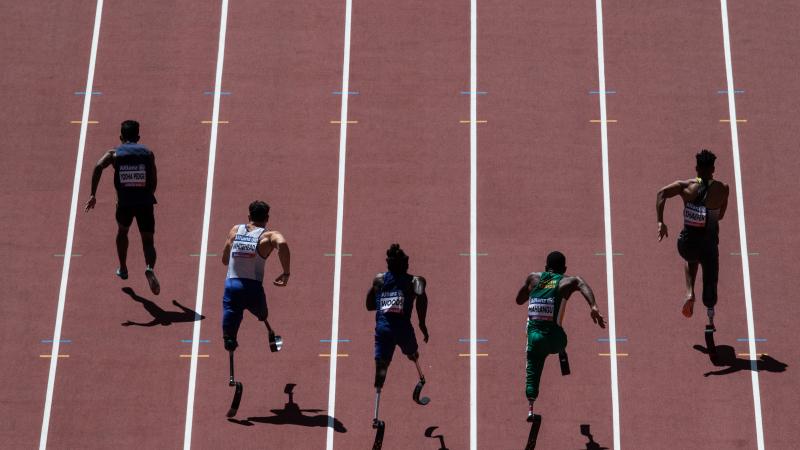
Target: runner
x,y
392,297
135,181
546,294
704,203
246,252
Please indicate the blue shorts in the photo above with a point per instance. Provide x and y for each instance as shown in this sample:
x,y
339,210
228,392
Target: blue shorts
x,y
241,294
397,334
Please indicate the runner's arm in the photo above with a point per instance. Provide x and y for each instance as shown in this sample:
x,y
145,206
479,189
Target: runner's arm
x,y
104,162
572,284
377,282
422,305
226,252
278,242
525,290
670,190
724,206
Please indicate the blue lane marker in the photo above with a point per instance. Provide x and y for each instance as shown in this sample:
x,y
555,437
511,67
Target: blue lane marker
x,y
754,340
189,341
470,340
63,341
345,93
621,339
607,92
476,92
735,91
337,340
84,93
220,93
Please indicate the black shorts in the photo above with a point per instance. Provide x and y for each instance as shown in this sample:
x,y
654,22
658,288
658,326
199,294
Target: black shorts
x,y
145,219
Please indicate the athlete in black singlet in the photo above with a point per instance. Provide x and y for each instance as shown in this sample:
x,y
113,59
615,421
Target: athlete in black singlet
x,y
705,201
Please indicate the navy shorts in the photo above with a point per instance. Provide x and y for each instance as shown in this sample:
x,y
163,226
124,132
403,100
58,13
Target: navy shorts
x,y
241,294
397,334
145,219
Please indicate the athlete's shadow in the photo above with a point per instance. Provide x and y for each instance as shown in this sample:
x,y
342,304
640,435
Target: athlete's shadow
x,y
291,414
726,357
429,433
591,445
160,316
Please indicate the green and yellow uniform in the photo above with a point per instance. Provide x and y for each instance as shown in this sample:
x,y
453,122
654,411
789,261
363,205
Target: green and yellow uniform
x,y
545,335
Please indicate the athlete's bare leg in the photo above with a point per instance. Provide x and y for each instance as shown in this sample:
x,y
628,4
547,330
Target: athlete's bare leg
x,y
690,269
122,248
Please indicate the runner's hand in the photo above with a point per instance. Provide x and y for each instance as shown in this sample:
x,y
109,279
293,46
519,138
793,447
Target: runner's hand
x,y
598,318
424,329
90,204
662,231
282,280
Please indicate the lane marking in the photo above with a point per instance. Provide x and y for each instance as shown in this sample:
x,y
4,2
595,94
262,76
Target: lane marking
x,y
737,170
51,356
603,121
470,340
338,355
473,121
757,354
610,354
207,254
61,255
221,93
214,122
62,341
604,254
753,339
346,121
73,209
609,253
473,225
334,254
189,341
476,254
90,93
91,122
475,92
749,254
621,339
605,92
337,264
328,341
191,356
470,354
737,120
735,91
201,272
345,93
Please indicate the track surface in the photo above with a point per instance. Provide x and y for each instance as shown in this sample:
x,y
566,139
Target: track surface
x,y
539,188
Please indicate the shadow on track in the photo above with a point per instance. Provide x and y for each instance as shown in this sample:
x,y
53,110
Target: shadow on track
x,y
726,357
378,443
291,414
160,316
591,445
429,433
534,433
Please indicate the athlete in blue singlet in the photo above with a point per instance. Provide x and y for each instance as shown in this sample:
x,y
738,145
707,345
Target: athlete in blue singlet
x,y
246,252
392,297
135,181
704,203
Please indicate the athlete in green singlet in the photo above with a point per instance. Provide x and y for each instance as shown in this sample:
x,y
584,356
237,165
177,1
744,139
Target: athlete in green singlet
x,y
546,294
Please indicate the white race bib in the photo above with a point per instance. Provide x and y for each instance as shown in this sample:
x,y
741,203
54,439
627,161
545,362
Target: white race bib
x,y
694,215
132,175
391,302
244,246
541,308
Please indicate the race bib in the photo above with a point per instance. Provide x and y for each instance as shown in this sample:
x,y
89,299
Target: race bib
x,y
391,302
694,215
132,175
541,308
244,246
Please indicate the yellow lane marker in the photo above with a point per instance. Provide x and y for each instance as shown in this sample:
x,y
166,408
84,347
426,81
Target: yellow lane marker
x,y
476,354
469,121
328,355
346,121
609,354
80,122
211,121
50,356
189,356
600,121
729,120
757,354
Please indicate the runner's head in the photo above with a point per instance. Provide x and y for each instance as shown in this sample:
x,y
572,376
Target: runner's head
x,y
396,259
705,164
129,131
259,212
556,262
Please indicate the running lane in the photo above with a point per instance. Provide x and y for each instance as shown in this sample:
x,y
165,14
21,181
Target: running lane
x,y
763,43
44,65
666,64
122,385
407,182
540,189
282,63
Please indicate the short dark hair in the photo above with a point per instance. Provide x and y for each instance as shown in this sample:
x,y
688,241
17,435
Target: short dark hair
x,y
396,259
557,262
259,211
129,130
705,159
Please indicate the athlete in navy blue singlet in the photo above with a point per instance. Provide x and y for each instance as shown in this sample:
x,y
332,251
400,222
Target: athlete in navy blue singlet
x,y
135,181
246,251
704,203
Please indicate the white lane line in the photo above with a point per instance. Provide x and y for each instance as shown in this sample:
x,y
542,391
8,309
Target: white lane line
x,y
73,209
612,327
201,275
473,226
337,270
737,170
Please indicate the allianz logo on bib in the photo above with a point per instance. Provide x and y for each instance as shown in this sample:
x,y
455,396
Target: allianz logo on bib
x,y
133,175
541,308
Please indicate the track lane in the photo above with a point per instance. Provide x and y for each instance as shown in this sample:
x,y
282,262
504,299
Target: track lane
x,y
667,64
540,189
122,383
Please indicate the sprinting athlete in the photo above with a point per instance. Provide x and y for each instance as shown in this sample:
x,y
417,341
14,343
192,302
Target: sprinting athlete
x,y
546,294
135,181
704,203
246,252
392,297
